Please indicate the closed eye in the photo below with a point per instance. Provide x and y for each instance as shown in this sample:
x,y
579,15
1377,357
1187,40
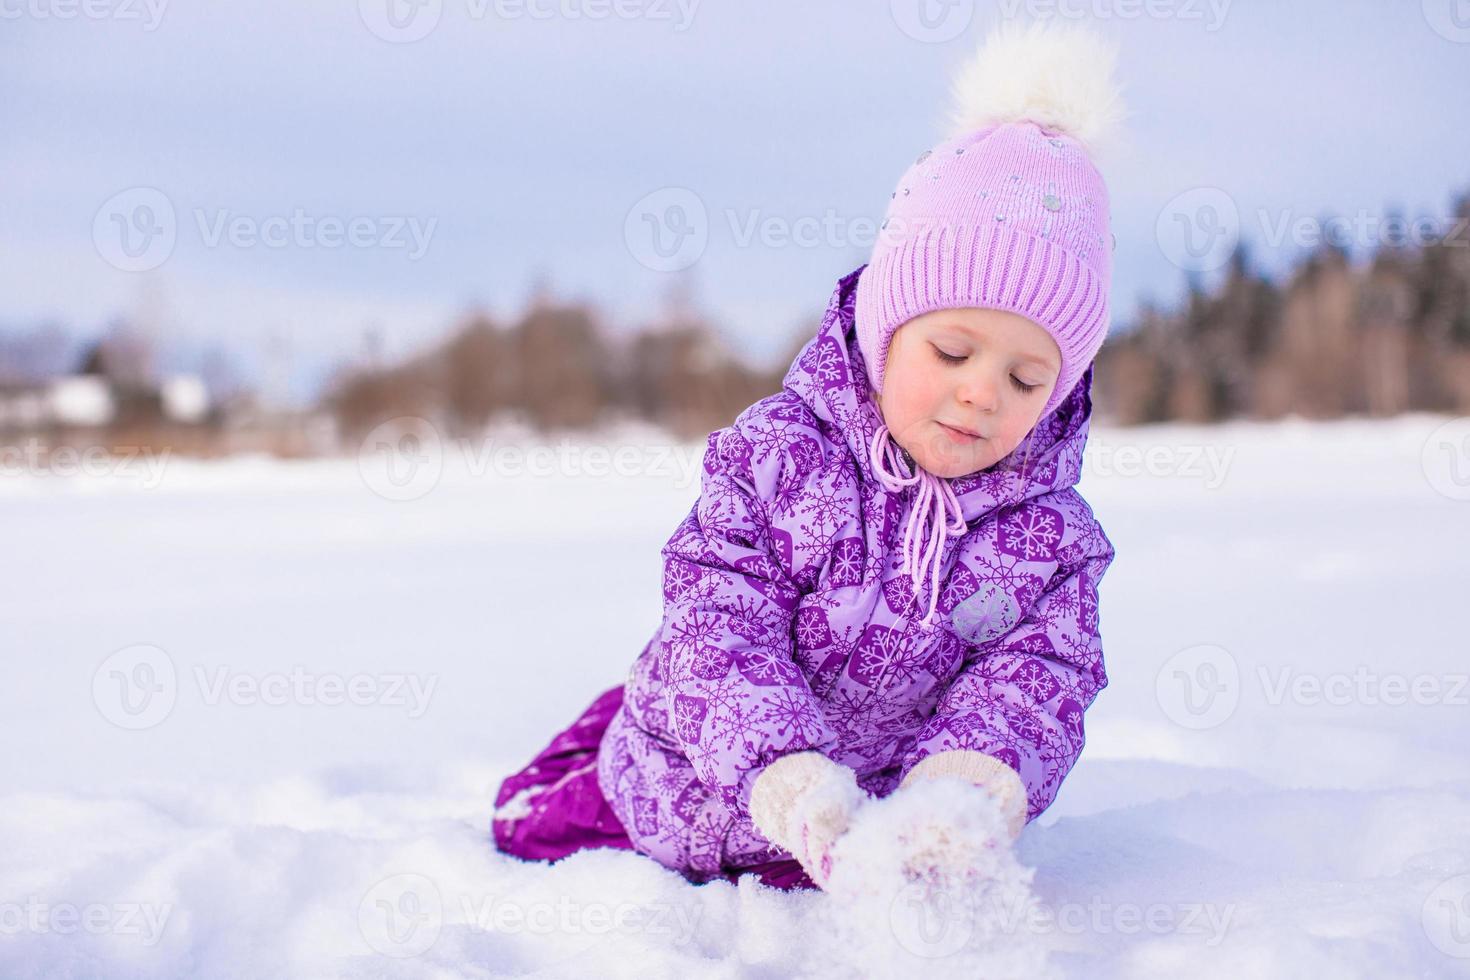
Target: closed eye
x,y
1016,382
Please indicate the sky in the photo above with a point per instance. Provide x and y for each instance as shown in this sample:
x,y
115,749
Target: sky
x,y
284,177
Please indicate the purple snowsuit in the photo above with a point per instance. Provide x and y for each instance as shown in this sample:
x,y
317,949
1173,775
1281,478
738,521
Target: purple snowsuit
x,y
789,625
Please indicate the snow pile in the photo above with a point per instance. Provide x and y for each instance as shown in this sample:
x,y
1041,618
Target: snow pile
x,y
924,881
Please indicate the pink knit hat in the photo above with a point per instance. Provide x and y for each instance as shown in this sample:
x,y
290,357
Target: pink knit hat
x,y
1008,213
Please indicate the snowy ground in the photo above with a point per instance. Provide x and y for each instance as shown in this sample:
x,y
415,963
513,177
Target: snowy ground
x,y
255,713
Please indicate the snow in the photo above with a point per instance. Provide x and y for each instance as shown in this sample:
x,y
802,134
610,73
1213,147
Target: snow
x,y
1275,781
926,873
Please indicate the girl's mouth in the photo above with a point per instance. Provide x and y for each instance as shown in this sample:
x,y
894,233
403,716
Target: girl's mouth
x,y
959,436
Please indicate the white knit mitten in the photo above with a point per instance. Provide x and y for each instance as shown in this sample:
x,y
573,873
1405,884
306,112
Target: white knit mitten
x,y
804,802
939,845
986,771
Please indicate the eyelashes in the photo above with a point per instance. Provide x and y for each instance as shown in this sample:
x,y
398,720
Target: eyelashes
x,y
1016,383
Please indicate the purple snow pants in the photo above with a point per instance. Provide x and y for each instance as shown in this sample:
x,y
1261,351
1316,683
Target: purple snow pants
x,y
564,810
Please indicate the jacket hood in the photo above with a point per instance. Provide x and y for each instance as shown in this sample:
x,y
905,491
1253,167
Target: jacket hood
x,y
830,376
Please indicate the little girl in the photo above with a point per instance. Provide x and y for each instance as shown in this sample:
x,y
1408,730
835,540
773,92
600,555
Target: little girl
x,y
889,574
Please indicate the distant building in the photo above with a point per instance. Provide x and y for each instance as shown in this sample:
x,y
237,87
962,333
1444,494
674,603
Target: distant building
x,y
81,400
185,398
96,401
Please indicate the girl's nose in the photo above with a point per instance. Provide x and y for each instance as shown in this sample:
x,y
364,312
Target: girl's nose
x,y
978,393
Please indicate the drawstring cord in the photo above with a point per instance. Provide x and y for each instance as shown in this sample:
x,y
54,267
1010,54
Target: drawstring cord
x,y
935,503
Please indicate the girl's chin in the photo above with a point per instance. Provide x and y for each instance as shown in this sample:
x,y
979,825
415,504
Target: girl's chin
x,y
952,465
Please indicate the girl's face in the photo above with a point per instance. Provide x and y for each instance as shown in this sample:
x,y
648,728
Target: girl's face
x,y
988,372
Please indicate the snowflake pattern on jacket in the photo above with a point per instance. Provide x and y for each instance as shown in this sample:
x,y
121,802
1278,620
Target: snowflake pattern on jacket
x,y
790,625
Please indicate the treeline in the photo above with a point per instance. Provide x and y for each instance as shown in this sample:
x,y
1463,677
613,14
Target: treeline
x,y
558,368
1333,338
